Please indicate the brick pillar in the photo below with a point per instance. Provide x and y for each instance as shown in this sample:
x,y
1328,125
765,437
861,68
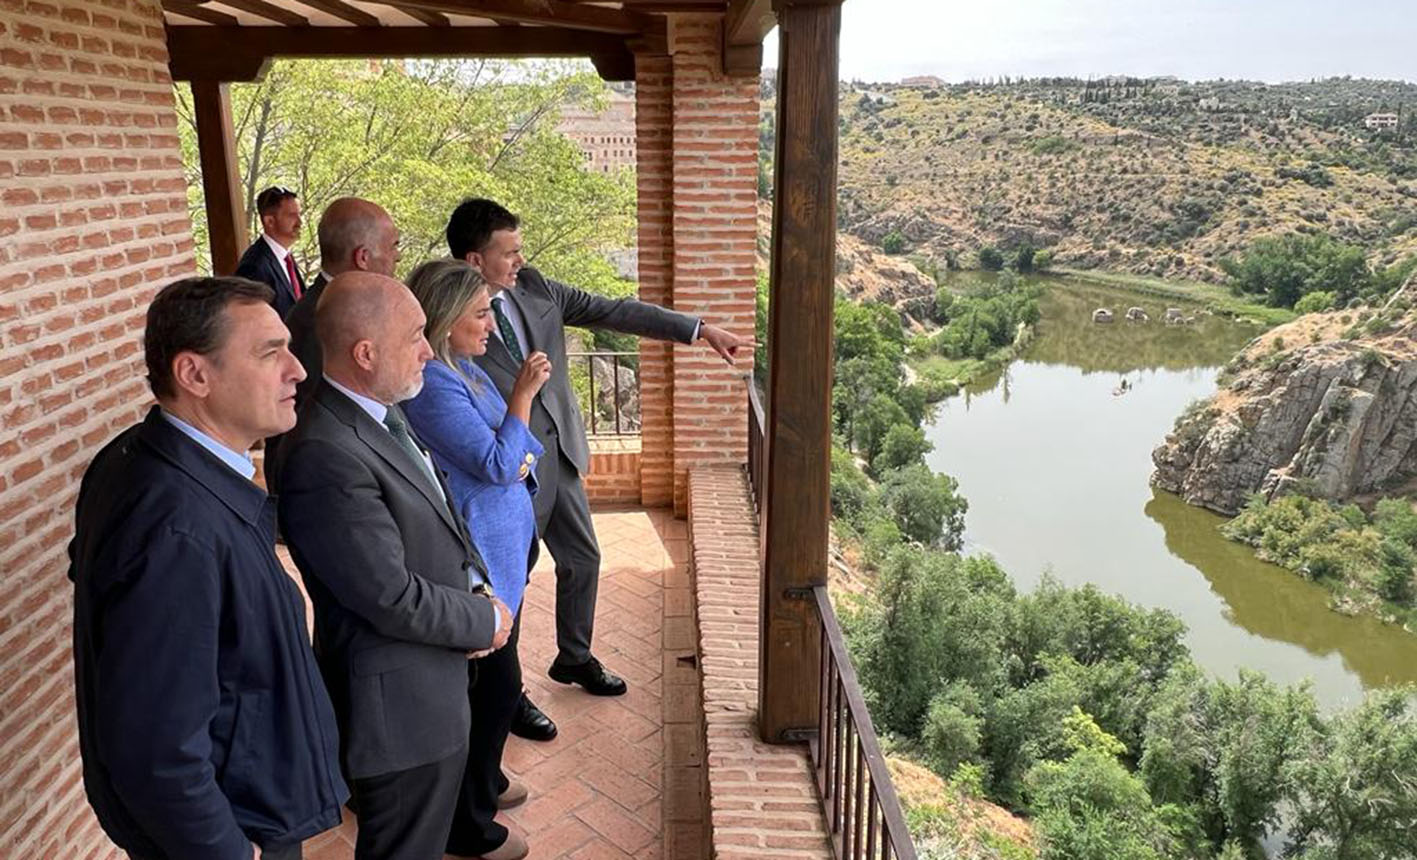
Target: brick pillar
x,y
94,219
654,78
715,126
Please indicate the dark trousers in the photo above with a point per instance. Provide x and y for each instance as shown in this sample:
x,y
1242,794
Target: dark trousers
x,y
289,852
563,518
494,688
406,815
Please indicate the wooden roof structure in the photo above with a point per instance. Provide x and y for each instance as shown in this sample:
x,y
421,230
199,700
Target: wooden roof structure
x,y
235,40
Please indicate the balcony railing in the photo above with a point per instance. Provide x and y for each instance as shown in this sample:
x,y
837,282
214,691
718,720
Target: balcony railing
x,y
853,782
612,419
756,446
862,808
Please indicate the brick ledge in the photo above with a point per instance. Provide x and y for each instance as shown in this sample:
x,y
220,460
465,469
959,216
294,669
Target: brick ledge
x,y
762,800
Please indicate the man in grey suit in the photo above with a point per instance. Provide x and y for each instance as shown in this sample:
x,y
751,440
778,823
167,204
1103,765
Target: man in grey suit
x,y
532,312
399,590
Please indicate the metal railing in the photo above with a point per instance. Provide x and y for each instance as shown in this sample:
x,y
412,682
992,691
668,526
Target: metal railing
x,y
863,811
757,447
853,783
625,425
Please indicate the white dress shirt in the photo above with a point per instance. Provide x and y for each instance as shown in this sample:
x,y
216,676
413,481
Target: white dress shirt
x,y
378,411
281,253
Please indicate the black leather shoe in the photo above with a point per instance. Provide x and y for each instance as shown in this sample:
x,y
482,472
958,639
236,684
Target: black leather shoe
x,y
530,723
590,675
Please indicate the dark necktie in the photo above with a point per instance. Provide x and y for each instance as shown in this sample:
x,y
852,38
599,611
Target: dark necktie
x,y
290,271
398,428
509,334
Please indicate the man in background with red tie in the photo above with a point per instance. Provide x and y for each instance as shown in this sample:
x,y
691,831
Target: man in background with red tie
x,y
269,260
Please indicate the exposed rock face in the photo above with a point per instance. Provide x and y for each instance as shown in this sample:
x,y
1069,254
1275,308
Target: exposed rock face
x,y
1339,415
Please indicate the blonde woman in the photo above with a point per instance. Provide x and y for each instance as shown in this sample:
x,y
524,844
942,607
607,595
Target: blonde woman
x,y
484,445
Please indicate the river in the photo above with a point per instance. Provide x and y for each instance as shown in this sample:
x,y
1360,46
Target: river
x,y
1054,458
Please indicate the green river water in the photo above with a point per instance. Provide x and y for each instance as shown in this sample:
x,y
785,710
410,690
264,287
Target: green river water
x,y
1055,458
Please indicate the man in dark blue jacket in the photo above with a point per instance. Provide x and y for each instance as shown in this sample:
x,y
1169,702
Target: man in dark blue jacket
x,y
268,259
205,730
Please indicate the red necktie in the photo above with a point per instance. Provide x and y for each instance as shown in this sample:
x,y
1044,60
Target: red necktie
x,y
290,270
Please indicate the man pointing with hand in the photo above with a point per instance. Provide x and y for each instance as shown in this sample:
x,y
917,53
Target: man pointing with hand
x,y
531,313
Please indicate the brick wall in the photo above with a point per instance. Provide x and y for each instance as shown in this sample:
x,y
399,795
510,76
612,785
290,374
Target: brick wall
x,y
762,800
614,477
94,219
653,176
715,232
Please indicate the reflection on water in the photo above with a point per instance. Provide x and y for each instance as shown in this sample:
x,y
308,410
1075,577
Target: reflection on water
x,y
1055,459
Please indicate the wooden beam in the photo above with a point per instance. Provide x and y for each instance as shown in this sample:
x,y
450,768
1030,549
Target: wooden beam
x,y
200,13
242,53
432,19
597,19
796,509
746,22
614,67
344,11
269,11
221,185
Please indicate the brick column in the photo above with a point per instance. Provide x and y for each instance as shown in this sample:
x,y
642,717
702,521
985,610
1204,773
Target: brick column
x,y
94,219
715,125
654,78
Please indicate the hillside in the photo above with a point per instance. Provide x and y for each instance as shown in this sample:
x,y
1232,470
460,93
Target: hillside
x,y
1149,177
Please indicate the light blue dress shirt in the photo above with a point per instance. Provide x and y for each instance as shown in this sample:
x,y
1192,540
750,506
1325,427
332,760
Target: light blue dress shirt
x,y
238,461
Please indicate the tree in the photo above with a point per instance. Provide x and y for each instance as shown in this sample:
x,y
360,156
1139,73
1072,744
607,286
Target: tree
x,y
893,243
1351,785
417,137
904,445
1023,258
926,506
1285,268
991,258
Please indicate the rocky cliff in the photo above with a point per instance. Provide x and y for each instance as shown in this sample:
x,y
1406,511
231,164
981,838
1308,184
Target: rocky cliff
x,y
1329,400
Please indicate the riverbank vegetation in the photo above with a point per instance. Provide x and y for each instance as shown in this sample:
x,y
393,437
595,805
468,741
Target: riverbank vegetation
x,y
1066,705
1368,561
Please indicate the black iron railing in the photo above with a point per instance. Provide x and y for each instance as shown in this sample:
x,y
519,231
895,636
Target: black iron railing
x,y
757,447
862,808
616,417
853,783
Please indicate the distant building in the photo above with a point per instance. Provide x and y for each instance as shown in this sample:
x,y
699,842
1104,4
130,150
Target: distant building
x,y
607,138
922,81
1210,103
1380,120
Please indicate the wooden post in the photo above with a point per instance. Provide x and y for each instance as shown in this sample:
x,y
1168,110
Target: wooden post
x,y
797,511
221,185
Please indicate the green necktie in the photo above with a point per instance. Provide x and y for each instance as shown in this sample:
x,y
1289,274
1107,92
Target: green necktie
x,y
509,334
398,428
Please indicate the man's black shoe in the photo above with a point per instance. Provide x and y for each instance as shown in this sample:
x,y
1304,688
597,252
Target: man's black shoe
x,y
530,723
590,675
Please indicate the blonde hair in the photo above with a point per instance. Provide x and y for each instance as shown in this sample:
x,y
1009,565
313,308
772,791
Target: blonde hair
x,y
445,288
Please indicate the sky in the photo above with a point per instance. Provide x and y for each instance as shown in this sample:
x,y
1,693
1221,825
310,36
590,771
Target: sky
x,y
1266,40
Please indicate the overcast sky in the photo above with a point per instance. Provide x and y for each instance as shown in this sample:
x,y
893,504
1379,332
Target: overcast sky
x,y
1268,40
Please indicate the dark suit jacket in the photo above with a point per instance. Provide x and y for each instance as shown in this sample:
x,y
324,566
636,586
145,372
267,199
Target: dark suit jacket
x,y
202,720
259,263
386,563
306,347
547,307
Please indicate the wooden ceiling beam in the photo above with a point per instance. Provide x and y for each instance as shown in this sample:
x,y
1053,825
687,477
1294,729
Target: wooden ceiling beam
x,y
432,19
746,22
269,11
344,11
231,53
200,13
554,13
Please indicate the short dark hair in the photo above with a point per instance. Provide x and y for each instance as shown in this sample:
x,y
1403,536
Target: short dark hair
x,y
269,201
474,222
190,316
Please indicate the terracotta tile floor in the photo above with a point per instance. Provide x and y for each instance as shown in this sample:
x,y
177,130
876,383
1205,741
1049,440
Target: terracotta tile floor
x,y
597,789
